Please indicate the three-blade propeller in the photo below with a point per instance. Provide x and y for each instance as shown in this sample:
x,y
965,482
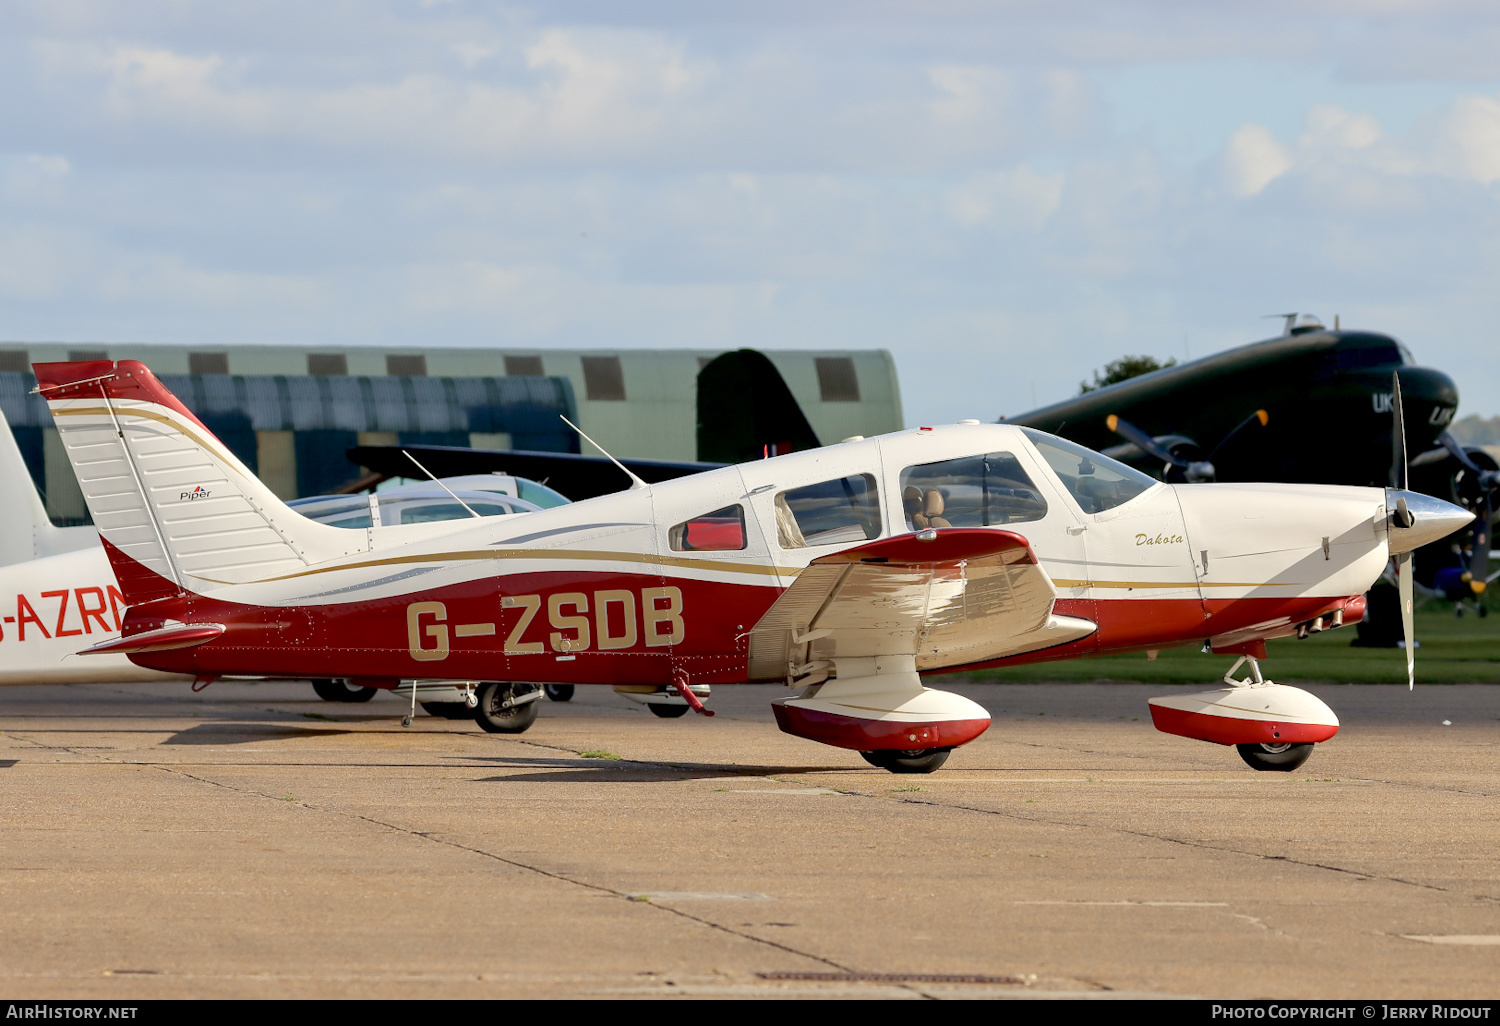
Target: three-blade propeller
x,y
1176,468
1486,483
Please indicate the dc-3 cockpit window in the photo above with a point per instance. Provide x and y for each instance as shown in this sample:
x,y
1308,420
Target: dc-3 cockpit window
x,y
972,491
723,530
843,511
1097,482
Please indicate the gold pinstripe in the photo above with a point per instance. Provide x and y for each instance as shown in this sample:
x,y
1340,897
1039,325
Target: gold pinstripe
x,y
722,566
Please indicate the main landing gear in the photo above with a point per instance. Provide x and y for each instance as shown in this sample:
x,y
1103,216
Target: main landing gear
x,y
507,707
926,760
1282,756
1272,726
341,691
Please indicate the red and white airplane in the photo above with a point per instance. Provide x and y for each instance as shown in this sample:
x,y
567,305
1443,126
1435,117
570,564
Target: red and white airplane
x,y
845,572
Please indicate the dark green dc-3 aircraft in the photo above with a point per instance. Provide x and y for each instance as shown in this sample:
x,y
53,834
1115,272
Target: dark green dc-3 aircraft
x,y
1310,406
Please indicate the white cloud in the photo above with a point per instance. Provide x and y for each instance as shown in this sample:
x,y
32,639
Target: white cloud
x,y
1469,143
1252,160
1019,198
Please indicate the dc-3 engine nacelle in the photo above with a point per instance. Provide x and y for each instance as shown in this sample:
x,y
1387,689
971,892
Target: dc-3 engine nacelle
x,y
1267,714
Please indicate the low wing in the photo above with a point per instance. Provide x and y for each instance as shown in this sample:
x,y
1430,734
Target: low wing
x,y
966,595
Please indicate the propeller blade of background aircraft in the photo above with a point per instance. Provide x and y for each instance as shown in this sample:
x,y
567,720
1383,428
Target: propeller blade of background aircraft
x,y
1398,436
1485,481
1479,559
1134,435
1457,452
1259,418
1404,568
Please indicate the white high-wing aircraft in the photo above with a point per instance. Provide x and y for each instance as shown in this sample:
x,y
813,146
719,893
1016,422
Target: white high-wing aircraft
x,y
845,572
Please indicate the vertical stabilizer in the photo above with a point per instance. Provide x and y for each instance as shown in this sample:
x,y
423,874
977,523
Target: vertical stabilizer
x,y
177,509
21,511
26,532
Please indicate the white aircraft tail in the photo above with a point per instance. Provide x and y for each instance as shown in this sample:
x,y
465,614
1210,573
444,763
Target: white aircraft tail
x,y
26,532
176,509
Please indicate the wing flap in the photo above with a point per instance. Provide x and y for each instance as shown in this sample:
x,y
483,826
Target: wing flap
x,y
947,601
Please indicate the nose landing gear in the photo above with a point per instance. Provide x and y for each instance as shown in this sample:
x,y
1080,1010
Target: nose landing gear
x,y
1272,726
1281,756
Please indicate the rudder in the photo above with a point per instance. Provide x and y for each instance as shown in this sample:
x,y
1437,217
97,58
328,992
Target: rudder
x,y
177,509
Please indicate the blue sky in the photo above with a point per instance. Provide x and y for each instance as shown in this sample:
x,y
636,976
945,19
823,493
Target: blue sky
x,y
1005,195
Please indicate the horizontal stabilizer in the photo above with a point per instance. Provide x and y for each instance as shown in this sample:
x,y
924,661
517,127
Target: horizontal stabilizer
x,y
182,635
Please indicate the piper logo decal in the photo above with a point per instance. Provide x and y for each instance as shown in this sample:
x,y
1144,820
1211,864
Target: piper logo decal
x,y
197,493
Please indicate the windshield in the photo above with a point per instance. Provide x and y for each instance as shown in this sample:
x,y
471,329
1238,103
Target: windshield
x,y
1096,481
540,494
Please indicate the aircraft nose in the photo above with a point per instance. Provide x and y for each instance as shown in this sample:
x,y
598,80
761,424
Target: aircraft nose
x,y
1427,519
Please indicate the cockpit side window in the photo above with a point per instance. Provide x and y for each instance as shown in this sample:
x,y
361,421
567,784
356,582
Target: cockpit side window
x,y
1097,482
723,530
971,491
843,511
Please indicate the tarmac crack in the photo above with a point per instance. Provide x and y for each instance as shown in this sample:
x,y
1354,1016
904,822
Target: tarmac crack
x,y
1168,839
517,864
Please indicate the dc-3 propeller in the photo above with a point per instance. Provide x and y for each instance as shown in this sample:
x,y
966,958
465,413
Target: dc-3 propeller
x,y
1178,470
1481,486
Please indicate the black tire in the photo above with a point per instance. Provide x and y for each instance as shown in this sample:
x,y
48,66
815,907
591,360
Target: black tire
x,y
339,691
1276,758
447,710
494,716
559,692
666,712
926,760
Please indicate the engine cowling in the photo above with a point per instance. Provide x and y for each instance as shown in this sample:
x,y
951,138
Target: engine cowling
x,y
1258,714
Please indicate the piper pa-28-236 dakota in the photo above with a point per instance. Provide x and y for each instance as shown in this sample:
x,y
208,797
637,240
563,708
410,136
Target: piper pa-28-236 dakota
x,y
845,572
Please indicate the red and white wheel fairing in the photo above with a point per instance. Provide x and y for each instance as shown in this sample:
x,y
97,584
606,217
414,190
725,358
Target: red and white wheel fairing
x,y
1270,714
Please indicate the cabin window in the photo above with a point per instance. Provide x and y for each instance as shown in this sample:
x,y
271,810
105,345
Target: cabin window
x,y
972,491
723,530
1096,481
843,511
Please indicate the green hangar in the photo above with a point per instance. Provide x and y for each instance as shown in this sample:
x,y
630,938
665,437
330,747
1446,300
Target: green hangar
x,y
290,411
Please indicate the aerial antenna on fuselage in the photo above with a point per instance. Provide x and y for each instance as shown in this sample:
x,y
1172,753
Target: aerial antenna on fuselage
x,y
440,484
1291,320
635,482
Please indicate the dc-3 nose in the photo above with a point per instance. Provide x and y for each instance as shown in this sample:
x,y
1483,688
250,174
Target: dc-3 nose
x,y
1414,519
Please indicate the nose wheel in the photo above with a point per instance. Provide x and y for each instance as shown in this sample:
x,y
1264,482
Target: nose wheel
x,y
1278,758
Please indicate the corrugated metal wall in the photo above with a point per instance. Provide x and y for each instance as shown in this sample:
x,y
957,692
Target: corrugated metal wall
x,y
293,430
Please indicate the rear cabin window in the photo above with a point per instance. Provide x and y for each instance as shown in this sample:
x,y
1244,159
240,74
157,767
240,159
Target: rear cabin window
x,y
1097,482
843,511
972,491
723,530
